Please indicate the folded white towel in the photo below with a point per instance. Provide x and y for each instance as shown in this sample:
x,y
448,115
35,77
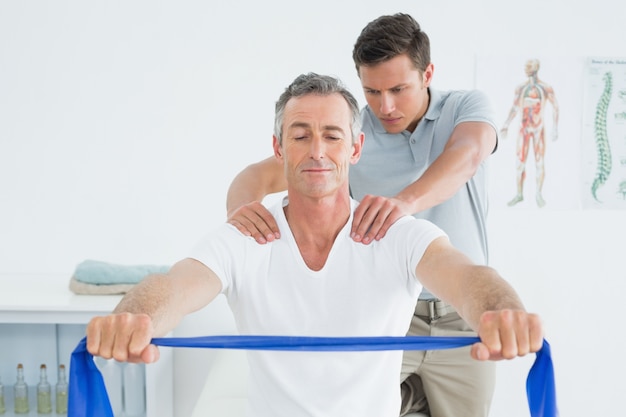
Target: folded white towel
x,y
82,288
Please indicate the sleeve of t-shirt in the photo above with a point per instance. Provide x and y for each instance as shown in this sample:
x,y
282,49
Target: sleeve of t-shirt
x,y
219,251
475,106
412,237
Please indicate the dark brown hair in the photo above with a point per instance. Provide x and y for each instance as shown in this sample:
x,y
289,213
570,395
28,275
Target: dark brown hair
x,y
389,36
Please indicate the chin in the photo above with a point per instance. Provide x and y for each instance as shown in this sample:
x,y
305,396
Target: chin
x,y
394,128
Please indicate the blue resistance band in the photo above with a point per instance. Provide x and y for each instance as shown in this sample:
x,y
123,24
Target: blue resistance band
x,y
88,397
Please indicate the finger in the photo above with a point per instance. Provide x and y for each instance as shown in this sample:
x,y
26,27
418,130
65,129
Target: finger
x,y
490,334
378,222
508,334
522,333
241,219
242,229
268,225
393,216
141,336
526,334
257,221
264,221
251,230
357,217
111,336
535,333
94,336
150,354
250,224
372,207
121,328
480,352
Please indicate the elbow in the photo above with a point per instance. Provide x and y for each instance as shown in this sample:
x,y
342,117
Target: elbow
x,y
474,159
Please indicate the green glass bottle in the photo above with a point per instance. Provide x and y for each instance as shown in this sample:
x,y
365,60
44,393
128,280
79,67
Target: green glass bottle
x,y
2,406
44,396
61,391
20,392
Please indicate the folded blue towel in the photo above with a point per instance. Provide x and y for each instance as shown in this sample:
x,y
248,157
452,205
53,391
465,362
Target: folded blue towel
x,y
104,273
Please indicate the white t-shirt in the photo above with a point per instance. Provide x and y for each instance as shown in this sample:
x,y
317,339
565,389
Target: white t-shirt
x,y
362,290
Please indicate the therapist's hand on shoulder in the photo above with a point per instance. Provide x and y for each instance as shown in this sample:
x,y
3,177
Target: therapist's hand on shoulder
x,y
506,334
375,215
253,219
124,336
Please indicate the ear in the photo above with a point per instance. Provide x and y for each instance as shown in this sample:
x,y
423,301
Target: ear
x,y
278,152
357,147
427,76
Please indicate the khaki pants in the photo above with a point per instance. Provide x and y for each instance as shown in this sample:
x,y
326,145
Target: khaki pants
x,y
445,383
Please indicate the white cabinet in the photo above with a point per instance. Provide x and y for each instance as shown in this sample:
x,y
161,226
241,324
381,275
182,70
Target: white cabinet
x,y
42,321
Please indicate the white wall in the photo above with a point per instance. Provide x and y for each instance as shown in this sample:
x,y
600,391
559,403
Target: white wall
x,y
122,124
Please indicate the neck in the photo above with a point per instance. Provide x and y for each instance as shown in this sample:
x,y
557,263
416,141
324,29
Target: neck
x,y
321,216
315,224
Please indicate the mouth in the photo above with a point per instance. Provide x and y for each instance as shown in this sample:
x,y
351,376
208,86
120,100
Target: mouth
x,y
391,120
316,171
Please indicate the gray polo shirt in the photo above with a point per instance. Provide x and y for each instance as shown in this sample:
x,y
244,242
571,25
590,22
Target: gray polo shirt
x,y
390,162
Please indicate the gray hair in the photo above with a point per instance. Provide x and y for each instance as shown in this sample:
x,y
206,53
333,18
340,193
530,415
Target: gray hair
x,y
322,85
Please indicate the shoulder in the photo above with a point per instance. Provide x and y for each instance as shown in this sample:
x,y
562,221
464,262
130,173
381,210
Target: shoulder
x,y
467,97
409,225
223,236
408,239
454,102
467,106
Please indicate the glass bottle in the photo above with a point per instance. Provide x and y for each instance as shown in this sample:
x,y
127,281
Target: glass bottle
x,y
61,391
20,392
2,406
44,397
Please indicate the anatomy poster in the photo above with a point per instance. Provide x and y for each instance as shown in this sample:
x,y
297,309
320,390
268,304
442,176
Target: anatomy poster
x,y
538,108
604,134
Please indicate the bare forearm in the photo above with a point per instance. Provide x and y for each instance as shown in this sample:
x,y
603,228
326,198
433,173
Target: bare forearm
x,y
254,183
469,145
485,290
438,183
472,289
188,286
156,297
151,309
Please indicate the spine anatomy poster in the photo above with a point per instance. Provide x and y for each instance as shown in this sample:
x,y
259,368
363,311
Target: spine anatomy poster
x,y
604,134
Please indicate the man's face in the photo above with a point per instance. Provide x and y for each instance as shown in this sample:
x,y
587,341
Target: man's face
x,y
317,147
396,92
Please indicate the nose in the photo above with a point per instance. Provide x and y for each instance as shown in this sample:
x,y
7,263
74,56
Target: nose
x,y
387,103
317,148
